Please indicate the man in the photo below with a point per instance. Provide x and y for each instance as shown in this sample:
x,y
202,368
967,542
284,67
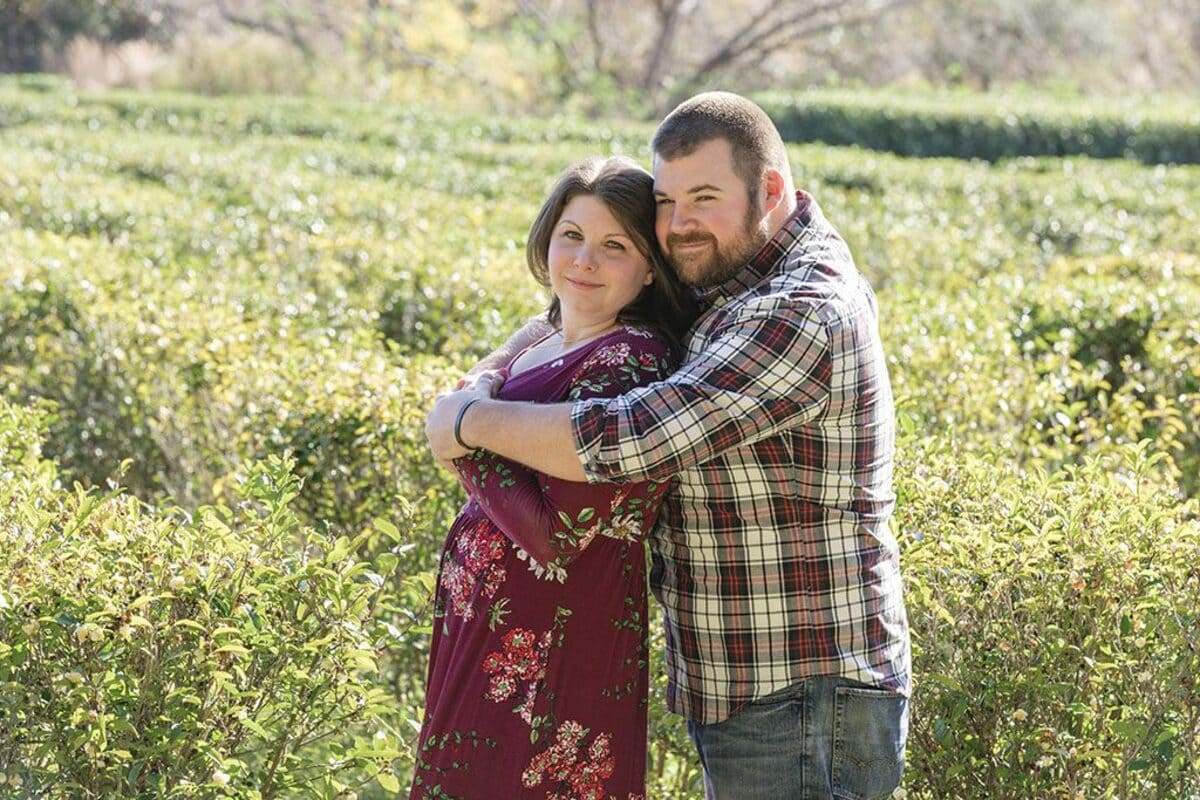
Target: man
x,y
787,639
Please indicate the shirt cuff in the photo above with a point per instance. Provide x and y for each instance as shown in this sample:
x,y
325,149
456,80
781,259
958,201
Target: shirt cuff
x,y
587,420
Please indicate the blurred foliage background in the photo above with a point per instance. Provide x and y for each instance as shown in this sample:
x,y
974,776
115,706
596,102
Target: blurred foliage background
x,y
222,319
611,57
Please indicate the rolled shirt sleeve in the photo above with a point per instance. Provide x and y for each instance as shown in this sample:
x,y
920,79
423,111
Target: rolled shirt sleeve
x,y
767,369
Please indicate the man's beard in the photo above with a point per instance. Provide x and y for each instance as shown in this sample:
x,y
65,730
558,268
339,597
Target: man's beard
x,y
718,263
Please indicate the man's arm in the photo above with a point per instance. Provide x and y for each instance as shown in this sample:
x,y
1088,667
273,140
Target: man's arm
x,y
768,371
534,434
535,328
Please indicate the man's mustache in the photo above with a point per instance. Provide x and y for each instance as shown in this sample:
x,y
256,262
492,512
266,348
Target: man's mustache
x,y
676,239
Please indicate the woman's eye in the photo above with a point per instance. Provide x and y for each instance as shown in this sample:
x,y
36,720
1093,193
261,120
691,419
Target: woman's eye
x,y
616,245
572,234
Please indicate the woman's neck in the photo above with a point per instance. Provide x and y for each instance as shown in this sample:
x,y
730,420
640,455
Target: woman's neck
x,y
576,331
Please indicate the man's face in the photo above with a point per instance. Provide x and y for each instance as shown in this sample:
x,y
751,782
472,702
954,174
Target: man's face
x,y
707,225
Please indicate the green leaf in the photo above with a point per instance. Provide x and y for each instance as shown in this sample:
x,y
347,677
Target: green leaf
x,y
339,550
946,681
387,529
1130,731
232,648
253,726
388,781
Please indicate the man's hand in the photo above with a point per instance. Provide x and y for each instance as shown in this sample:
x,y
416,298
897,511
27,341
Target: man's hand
x,y
439,424
537,435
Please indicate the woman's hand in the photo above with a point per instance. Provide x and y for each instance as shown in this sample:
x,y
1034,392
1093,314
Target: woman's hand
x,y
491,378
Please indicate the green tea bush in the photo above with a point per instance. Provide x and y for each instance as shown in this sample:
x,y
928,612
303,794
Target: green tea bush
x,y
21,431
53,350
193,391
1054,628
1121,341
147,655
191,285
962,126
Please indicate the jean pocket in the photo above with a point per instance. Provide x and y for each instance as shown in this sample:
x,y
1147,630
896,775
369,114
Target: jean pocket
x,y
869,731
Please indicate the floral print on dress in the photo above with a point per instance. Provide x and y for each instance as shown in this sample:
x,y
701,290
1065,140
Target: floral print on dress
x,y
579,771
615,366
610,356
481,550
522,660
543,579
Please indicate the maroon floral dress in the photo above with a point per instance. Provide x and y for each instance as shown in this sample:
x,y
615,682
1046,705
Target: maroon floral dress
x,y
537,670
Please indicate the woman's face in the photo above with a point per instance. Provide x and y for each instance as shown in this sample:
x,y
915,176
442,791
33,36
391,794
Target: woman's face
x,y
595,269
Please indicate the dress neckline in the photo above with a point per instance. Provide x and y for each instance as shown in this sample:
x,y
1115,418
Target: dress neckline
x,y
561,358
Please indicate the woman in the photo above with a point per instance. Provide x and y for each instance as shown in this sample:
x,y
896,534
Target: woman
x,y
537,671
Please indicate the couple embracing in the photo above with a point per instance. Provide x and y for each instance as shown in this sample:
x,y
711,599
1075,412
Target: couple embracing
x,y
708,379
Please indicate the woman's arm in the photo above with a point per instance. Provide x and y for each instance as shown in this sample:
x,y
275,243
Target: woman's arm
x,y
554,520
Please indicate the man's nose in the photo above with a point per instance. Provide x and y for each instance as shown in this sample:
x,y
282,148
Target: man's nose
x,y
682,219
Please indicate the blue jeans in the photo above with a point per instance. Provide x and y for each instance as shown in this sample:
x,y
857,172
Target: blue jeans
x,y
819,739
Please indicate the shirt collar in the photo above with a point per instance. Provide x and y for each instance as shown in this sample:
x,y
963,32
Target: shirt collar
x,y
806,215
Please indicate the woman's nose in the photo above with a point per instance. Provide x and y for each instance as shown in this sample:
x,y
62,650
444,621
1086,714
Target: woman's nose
x,y
586,257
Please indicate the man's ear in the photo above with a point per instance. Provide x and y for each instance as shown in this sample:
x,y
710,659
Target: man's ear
x,y
772,189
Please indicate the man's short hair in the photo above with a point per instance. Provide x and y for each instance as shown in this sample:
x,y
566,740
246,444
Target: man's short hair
x,y
756,143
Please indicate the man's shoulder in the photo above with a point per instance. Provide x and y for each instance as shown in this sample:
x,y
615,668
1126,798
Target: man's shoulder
x,y
805,286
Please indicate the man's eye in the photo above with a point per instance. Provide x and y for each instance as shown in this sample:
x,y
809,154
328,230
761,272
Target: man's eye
x,y
662,201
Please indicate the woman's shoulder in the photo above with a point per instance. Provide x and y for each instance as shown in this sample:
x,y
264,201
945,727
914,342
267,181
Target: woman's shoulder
x,y
636,340
636,353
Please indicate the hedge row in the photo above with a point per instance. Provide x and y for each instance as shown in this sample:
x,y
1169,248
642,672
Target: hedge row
x,y
930,125
150,654
1054,627
194,289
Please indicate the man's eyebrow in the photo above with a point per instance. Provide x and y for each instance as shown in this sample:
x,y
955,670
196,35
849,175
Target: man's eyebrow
x,y
704,187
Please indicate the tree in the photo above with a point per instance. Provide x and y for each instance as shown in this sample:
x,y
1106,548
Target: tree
x,y
652,53
1096,45
31,30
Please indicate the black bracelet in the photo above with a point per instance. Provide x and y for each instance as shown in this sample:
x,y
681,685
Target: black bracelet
x,y
458,420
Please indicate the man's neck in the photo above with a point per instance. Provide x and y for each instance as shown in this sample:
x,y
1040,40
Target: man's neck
x,y
782,212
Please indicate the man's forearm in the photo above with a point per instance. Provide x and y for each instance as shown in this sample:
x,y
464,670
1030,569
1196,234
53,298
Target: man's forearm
x,y
534,434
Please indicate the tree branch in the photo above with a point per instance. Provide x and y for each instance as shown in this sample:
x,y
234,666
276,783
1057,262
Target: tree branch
x,y
290,33
803,23
668,14
566,58
593,26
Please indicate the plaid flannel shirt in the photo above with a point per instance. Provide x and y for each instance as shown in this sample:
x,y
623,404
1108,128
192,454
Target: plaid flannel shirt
x,y
773,558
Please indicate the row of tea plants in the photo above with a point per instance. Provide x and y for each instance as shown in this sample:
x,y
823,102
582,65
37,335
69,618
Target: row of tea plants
x,y
238,310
